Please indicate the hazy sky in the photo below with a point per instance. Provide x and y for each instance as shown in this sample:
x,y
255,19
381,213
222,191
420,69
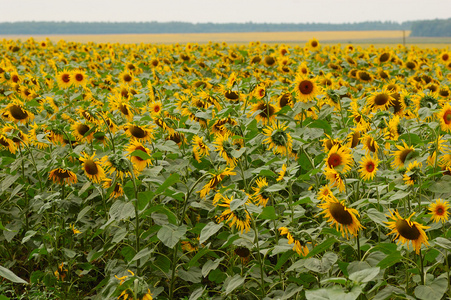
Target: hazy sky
x,y
220,11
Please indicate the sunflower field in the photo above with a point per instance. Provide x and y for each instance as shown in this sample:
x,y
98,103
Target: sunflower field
x,y
218,171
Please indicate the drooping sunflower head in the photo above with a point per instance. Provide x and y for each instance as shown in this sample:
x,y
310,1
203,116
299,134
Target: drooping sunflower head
x,y
16,112
225,147
139,155
117,164
364,76
278,139
139,132
407,231
439,210
63,176
412,173
402,154
239,217
261,196
344,218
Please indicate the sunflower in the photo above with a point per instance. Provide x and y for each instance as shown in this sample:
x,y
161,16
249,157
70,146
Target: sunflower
x,y
342,217
117,191
116,164
285,99
364,76
339,158
412,173
335,178
225,147
324,193
269,61
299,247
370,144
439,210
306,88
278,139
138,162
445,117
407,231
126,77
282,172
7,143
222,126
16,112
260,196
92,167
64,79
264,112
401,155
61,176
82,132
313,44
368,167
216,178
79,78
155,108
259,91
200,149
238,217
118,103
140,132
380,100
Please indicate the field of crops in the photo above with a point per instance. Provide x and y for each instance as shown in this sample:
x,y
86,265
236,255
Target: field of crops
x,y
219,171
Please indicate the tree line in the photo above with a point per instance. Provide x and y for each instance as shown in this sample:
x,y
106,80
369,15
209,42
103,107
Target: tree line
x,y
431,28
436,28
184,27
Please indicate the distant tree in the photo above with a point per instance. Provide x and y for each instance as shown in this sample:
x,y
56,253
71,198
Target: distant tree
x,y
431,28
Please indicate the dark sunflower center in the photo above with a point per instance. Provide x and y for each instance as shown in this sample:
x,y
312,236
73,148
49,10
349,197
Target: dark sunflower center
x,y
440,211
381,99
61,173
17,112
261,92
371,145
355,139
407,231
306,87
403,155
285,99
314,44
242,252
65,78
137,132
176,138
266,110
4,141
447,117
334,160
82,129
156,108
370,167
338,212
445,57
123,109
79,77
384,57
231,95
127,78
444,92
365,76
91,167
270,61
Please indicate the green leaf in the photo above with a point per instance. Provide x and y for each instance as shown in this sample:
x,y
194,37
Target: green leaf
x,y
323,124
365,275
209,229
233,282
322,247
339,280
275,188
171,180
433,291
376,216
170,234
8,274
192,275
141,154
211,265
28,235
198,255
236,203
321,266
142,253
268,213
443,242
390,260
197,293
83,212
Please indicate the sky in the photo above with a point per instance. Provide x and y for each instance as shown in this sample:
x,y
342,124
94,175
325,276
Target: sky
x,y
224,11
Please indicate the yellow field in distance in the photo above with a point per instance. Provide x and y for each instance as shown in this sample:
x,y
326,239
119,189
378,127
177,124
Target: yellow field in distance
x,y
379,38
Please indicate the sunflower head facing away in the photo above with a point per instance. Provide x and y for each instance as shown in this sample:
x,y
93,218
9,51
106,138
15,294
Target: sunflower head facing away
x,y
407,231
63,176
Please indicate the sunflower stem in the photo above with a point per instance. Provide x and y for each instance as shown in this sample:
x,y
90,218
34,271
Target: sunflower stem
x,y
421,268
259,258
359,253
246,188
135,190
